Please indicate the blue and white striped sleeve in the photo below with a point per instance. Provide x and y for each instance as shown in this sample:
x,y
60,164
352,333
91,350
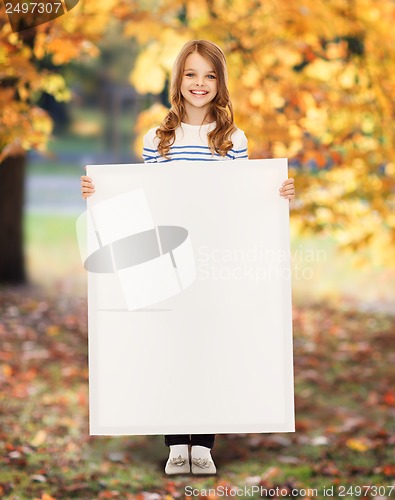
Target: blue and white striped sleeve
x,y
150,151
239,150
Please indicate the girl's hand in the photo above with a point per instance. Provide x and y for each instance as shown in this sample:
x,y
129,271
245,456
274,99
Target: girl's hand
x,y
287,189
87,187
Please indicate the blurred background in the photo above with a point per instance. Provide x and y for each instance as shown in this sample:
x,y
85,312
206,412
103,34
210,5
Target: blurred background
x,y
310,80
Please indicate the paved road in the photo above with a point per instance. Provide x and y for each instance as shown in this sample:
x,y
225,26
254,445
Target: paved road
x,y
54,195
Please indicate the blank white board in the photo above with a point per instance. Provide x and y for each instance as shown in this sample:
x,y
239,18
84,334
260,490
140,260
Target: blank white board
x,y
189,298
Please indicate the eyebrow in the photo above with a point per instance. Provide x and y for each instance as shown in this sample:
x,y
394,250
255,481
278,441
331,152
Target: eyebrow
x,y
192,69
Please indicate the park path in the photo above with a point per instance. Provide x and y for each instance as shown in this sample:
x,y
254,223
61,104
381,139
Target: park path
x,y
53,194
59,193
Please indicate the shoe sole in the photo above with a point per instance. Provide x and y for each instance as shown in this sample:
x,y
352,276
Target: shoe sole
x,y
203,472
179,470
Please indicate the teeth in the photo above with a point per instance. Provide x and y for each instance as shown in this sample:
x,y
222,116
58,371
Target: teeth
x,y
198,92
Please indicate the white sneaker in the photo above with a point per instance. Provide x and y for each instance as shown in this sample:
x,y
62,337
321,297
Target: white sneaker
x,y
178,461
178,465
202,464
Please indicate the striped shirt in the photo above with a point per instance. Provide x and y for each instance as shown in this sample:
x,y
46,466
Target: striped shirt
x,y
191,144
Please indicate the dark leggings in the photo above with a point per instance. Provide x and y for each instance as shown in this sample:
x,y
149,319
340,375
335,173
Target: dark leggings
x,y
206,440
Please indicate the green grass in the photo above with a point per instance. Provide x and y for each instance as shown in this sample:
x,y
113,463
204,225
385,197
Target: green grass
x,y
76,144
52,252
54,168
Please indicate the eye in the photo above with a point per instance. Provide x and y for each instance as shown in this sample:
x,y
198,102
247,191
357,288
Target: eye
x,y
190,75
212,77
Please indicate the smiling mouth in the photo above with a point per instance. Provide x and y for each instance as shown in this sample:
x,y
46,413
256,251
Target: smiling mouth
x,y
199,92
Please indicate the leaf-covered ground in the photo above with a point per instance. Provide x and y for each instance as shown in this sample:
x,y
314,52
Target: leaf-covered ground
x,y
345,407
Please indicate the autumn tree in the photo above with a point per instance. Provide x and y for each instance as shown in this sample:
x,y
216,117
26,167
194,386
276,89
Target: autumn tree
x,y
310,80
23,124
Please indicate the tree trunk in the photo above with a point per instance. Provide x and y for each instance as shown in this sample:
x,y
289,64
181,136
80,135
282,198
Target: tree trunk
x,y
12,263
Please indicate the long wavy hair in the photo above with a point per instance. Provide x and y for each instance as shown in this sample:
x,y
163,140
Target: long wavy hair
x,y
221,108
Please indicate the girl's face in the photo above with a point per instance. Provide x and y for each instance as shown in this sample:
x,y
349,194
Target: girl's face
x,y
198,84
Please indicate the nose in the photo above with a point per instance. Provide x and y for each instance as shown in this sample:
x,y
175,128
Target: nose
x,y
199,81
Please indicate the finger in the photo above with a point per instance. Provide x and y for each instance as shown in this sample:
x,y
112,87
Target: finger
x,y
287,193
87,183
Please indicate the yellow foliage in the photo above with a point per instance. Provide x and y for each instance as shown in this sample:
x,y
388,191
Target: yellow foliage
x,y
307,81
55,85
324,215
348,77
171,44
390,169
40,121
323,70
62,49
146,120
250,78
3,56
147,77
257,97
141,30
315,120
23,92
64,39
40,45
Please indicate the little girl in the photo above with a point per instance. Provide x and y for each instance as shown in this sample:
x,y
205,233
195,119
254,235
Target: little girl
x,y
199,126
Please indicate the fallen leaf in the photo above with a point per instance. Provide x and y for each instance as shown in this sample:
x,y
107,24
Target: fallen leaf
x,y
357,444
39,438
